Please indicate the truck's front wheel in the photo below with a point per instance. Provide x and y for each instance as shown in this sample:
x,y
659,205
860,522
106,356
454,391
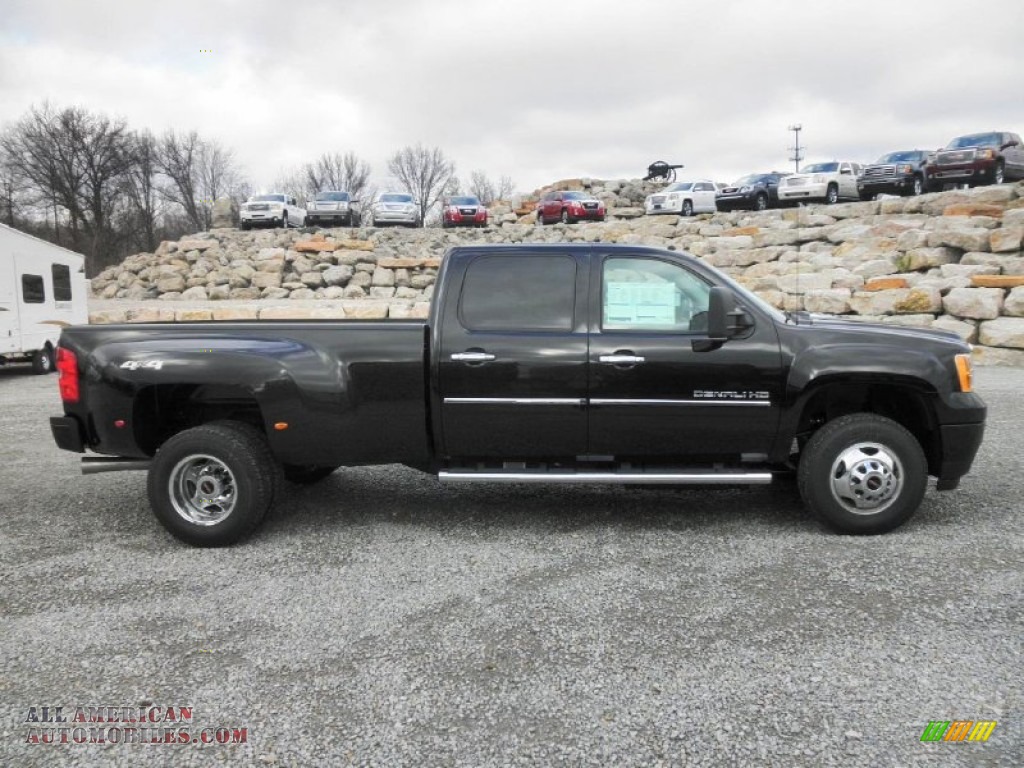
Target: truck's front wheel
x,y
212,485
863,474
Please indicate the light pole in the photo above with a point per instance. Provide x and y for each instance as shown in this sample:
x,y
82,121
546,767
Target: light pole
x,y
796,157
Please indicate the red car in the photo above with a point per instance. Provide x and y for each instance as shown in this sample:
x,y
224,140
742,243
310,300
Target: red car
x,y
569,207
463,211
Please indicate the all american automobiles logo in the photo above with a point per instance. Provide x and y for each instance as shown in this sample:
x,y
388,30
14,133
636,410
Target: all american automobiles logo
x,y
152,724
958,730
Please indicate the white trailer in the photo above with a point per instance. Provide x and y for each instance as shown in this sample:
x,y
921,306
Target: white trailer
x,y
42,289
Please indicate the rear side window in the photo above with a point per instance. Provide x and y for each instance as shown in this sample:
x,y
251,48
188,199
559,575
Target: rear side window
x,y
519,293
61,282
32,290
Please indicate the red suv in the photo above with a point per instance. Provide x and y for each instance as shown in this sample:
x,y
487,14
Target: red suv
x,y
463,211
569,207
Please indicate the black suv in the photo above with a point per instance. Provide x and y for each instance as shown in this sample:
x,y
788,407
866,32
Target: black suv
x,y
751,193
897,173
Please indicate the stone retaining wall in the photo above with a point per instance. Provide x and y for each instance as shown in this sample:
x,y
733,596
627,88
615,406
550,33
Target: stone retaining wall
x,y
951,260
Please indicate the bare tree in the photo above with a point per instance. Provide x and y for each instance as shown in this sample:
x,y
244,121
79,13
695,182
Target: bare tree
x,y
140,187
179,162
425,172
343,172
12,190
489,191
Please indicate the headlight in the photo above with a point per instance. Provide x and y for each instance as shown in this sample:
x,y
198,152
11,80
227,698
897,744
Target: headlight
x,y
674,196
906,169
965,372
744,189
985,154
277,206
818,178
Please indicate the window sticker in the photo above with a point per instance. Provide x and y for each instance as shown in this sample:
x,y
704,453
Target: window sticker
x,y
640,304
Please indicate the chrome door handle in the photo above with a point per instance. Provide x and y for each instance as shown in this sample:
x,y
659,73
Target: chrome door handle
x,y
621,359
472,357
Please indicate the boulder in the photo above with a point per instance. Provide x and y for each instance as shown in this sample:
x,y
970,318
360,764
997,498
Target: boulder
x,y
997,281
1006,239
965,329
878,302
919,300
832,301
266,280
225,213
924,258
337,275
976,303
1014,303
383,277
1002,332
197,293
964,238
170,284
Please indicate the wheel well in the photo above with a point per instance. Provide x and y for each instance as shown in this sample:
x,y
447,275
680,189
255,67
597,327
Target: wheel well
x,y
907,405
163,410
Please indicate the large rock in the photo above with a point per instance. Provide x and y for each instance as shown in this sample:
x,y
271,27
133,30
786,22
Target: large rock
x,y
878,302
964,238
338,275
225,213
1003,332
832,301
965,329
266,280
170,284
975,303
1006,239
1014,304
925,258
383,278
197,293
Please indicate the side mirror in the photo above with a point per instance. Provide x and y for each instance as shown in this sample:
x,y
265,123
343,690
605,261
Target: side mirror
x,y
847,171
725,320
1009,144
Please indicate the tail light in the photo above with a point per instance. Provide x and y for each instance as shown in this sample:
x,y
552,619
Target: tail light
x,y
67,375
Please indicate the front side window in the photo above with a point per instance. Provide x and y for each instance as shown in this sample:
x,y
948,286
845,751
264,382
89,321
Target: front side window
x,y
519,293
61,282
32,289
643,294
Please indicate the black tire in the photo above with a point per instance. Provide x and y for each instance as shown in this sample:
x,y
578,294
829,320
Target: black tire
x,y
284,221
917,187
866,196
832,195
238,461
999,175
42,360
687,208
565,217
540,219
243,225
305,474
761,202
862,474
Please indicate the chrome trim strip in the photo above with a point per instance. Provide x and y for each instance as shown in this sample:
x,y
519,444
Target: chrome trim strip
x,y
612,478
640,401
514,401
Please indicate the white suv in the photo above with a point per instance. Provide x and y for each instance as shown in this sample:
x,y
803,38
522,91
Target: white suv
x,y
395,208
821,182
683,198
276,209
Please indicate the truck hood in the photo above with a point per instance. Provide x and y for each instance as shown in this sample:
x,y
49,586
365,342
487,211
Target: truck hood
x,y
857,328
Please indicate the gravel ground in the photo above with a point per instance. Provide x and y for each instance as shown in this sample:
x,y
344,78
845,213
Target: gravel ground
x,y
381,619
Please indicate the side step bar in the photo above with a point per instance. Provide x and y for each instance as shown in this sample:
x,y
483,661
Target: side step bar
x,y
609,478
92,465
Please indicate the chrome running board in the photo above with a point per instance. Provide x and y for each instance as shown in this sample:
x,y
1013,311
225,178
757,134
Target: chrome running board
x,y
608,478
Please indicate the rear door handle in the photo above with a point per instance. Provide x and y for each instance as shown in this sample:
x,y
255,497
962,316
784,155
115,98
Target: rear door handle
x,y
618,359
472,357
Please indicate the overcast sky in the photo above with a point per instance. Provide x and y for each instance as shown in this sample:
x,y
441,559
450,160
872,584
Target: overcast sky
x,y
538,91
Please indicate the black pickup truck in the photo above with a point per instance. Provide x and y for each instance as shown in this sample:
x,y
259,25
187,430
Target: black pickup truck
x,y
539,363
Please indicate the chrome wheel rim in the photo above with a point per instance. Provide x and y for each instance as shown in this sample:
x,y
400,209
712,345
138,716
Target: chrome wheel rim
x,y
866,478
1000,175
202,490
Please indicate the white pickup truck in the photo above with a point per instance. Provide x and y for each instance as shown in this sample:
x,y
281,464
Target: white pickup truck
x,y
821,182
276,209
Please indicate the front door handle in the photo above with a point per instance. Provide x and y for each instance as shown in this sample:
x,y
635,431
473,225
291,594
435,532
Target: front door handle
x,y
472,357
621,359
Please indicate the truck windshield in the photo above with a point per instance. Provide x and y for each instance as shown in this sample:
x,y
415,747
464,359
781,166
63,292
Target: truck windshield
x,y
681,186
396,198
821,168
464,201
748,181
900,157
268,199
332,197
575,196
976,140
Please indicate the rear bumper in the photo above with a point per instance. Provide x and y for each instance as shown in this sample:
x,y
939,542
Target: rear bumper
x,y
67,433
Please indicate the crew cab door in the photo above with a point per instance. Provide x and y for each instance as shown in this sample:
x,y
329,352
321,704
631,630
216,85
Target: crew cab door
x,y
652,396
512,357
703,197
